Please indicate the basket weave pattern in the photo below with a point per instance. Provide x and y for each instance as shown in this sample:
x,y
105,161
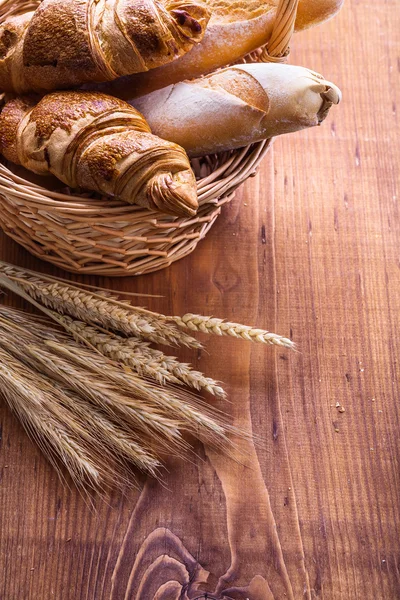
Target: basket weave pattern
x,y
86,233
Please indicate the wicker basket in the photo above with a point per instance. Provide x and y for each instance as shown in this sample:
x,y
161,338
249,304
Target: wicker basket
x,y
96,235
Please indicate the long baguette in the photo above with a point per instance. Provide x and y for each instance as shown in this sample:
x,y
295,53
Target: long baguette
x,y
236,27
66,43
237,106
96,142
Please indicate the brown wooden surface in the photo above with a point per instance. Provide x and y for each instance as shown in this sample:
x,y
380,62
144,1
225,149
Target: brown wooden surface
x,y
310,248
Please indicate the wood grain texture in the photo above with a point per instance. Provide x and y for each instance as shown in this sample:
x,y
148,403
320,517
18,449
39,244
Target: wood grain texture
x,y
310,247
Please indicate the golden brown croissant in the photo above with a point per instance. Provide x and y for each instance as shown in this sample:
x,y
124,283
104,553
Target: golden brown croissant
x,y
236,27
99,143
237,106
66,43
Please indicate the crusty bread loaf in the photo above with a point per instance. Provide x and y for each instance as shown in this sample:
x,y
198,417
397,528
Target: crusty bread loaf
x,y
236,27
66,43
96,142
237,106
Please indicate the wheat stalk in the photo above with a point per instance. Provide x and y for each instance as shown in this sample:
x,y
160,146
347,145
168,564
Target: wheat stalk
x,y
106,403
139,416
95,450
151,431
193,414
25,393
104,309
82,418
214,326
127,351
187,417
94,376
143,359
98,308
115,439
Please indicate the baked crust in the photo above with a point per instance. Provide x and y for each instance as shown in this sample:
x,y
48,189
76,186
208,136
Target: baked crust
x,y
99,143
66,43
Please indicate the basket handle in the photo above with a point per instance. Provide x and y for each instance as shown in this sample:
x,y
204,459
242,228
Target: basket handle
x,y
277,48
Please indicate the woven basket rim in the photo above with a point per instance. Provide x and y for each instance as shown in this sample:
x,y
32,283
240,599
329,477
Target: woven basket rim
x,y
51,229
73,202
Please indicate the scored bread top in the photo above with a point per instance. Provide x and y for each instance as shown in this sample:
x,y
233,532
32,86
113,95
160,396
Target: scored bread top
x,y
243,85
237,106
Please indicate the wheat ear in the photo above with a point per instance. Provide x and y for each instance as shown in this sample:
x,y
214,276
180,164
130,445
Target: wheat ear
x,y
98,308
179,406
64,363
87,412
164,411
214,326
142,418
104,309
146,361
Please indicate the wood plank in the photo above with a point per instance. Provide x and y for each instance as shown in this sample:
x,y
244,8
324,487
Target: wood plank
x,y
308,247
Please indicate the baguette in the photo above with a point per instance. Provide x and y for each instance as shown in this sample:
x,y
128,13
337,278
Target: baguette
x,y
99,143
66,43
237,106
236,28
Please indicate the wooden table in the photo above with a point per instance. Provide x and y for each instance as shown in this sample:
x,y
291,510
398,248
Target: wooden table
x,y
309,248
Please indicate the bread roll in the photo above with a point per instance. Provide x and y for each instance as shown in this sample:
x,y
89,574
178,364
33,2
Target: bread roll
x,y
66,43
237,106
99,143
236,27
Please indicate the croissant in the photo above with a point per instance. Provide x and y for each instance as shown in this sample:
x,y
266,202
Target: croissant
x,y
99,143
65,43
240,105
236,27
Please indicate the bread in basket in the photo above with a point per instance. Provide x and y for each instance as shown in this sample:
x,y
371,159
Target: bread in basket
x,y
85,233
